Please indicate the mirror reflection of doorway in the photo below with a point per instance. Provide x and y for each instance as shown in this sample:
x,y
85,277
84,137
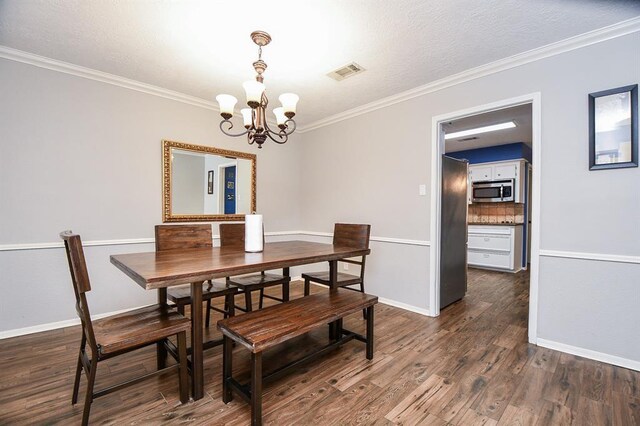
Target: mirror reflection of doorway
x,y
230,190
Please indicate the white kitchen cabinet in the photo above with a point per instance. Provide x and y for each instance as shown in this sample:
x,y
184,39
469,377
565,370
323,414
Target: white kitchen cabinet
x,y
505,171
479,173
511,169
495,247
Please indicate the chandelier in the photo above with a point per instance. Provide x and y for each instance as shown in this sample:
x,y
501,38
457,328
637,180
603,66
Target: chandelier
x,y
254,117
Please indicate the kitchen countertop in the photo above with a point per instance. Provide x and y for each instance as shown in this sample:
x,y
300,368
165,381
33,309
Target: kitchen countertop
x,y
494,224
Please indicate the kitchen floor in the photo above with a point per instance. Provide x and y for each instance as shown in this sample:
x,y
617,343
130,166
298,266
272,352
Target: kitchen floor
x,y
471,365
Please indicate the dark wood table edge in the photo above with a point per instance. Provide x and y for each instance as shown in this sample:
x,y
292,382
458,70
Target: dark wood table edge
x,y
154,283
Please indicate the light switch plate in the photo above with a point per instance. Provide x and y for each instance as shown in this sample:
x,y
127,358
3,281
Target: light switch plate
x,y
422,189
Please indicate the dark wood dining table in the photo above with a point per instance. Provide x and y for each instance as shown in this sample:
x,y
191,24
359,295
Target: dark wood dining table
x,y
159,270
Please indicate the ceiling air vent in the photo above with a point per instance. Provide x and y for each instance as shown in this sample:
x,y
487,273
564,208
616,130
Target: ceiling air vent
x,y
346,71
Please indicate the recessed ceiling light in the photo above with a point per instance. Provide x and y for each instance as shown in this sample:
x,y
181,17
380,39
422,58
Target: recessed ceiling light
x,y
478,130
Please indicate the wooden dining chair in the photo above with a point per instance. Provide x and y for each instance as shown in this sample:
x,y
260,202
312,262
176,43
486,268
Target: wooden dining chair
x,y
119,334
232,236
185,237
350,235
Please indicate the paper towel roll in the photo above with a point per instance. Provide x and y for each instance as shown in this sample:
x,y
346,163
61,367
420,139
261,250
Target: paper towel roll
x,y
253,234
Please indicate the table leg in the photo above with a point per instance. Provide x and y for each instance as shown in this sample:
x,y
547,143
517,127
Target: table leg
x,y
333,286
247,300
369,312
333,274
197,367
227,369
285,286
161,350
256,388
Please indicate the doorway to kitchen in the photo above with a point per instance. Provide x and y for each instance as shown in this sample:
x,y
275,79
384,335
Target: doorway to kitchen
x,y
497,147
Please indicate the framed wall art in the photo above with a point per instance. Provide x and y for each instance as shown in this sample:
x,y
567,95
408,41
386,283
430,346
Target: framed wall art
x,y
210,182
613,128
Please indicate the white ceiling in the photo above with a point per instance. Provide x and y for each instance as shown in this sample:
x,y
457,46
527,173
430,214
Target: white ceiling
x,y
521,115
202,48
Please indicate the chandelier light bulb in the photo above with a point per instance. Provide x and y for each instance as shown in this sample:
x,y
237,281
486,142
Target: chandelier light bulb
x,y
247,117
280,117
226,103
289,102
254,90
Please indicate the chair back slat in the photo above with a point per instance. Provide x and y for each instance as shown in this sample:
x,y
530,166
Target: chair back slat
x,y
80,281
172,237
351,235
232,235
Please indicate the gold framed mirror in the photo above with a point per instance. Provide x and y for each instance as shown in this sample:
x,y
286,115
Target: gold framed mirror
x,y
205,184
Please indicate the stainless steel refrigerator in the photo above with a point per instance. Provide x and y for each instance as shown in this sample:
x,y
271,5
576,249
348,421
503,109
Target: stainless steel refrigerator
x,y
453,233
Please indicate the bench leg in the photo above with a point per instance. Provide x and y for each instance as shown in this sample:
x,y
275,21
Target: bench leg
x,y
161,350
369,311
256,388
183,373
285,286
227,355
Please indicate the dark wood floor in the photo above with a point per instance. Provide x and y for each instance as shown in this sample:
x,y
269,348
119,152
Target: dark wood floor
x,y
472,365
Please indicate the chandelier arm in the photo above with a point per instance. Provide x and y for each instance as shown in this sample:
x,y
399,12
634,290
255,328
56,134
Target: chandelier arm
x,y
283,137
231,127
285,131
293,129
269,129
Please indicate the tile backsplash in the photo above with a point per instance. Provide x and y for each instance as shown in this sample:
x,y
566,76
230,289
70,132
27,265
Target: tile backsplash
x,y
496,213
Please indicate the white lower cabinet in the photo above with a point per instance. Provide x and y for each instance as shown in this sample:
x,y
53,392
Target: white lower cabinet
x,y
495,247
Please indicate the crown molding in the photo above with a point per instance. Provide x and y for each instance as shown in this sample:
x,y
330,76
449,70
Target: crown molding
x,y
91,74
577,42
606,33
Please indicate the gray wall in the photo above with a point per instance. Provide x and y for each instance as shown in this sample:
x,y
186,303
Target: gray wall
x,y
86,155
368,168
187,184
83,155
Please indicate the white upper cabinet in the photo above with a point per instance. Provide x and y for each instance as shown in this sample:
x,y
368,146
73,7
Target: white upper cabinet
x,y
505,171
512,169
479,173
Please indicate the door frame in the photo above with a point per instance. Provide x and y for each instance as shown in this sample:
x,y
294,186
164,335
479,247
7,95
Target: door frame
x,y
438,148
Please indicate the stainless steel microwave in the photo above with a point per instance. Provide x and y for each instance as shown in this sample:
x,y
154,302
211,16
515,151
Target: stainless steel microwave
x,y
495,191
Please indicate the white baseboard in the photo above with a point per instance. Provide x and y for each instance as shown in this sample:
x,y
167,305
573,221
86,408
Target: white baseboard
x,y
56,325
591,354
389,302
405,306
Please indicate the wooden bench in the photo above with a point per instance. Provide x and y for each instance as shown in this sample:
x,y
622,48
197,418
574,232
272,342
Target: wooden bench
x,y
261,330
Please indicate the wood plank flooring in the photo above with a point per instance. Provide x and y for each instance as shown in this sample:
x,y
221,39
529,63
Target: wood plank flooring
x,y
472,365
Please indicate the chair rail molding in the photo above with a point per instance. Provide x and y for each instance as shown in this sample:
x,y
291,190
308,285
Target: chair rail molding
x,y
122,242
602,257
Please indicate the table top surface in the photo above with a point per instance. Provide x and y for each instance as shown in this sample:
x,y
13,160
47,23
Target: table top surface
x,y
259,330
153,270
